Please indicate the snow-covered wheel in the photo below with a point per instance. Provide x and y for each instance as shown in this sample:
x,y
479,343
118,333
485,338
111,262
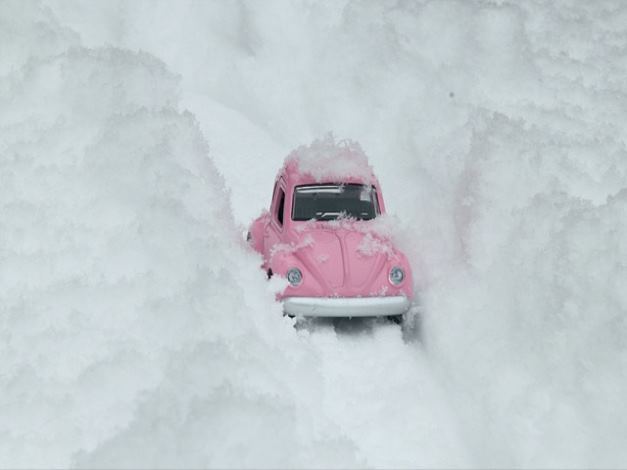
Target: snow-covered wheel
x,y
411,324
398,319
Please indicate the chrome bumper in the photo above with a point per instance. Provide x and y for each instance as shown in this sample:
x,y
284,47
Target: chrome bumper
x,y
345,306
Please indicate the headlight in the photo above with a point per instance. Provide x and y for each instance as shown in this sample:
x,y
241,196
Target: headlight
x,y
396,275
294,277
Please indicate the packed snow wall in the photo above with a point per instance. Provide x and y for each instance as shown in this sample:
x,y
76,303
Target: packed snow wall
x,y
136,329
496,131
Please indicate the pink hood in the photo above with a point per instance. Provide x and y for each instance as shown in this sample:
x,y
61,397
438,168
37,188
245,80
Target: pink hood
x,y
341,262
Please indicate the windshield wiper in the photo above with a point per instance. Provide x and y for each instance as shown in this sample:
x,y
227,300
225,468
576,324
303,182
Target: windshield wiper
x,y
328,215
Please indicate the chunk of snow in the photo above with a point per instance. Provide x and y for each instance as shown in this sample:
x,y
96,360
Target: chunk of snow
x,y
371,245
328,160
288,248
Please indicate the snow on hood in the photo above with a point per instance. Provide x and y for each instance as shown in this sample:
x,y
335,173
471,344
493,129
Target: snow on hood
x,y
379,234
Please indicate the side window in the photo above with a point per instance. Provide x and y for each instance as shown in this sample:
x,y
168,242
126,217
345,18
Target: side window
x,y
276,185
281,206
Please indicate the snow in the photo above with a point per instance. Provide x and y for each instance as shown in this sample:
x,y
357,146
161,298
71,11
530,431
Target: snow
x,y
327,160
138,139
371,245
287,248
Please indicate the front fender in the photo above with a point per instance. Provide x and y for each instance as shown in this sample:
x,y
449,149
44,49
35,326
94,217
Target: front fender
x,y
256,232
282,262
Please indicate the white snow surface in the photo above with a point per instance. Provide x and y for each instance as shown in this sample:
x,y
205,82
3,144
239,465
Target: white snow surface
x,y
326,160
138,139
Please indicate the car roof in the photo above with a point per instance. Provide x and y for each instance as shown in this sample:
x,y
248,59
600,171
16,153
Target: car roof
x,y
328,161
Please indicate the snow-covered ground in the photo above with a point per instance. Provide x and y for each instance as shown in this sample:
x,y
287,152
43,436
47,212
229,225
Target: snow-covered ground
x,y
138,139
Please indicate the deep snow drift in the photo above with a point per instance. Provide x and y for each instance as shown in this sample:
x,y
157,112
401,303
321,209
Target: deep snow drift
x,y
136,329
119,345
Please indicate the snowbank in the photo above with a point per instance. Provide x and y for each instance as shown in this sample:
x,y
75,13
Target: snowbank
x,y
136,328
533,337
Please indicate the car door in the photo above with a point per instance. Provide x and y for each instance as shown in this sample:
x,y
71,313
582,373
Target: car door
x,y
274,230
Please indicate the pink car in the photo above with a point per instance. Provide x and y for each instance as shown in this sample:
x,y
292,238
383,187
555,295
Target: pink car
x,y
322,234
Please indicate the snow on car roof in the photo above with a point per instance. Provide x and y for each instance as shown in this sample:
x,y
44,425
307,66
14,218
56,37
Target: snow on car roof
x,y
328,160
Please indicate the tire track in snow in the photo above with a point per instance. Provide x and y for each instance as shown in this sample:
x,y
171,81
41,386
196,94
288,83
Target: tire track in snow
x,y
382,394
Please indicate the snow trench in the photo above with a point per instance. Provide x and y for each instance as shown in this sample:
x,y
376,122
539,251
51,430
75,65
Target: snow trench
x,y
136,329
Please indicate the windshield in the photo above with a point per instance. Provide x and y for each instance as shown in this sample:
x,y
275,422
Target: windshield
x,y
331,201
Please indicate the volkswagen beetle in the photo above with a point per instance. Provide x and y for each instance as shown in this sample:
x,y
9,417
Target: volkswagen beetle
x,y
320,233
